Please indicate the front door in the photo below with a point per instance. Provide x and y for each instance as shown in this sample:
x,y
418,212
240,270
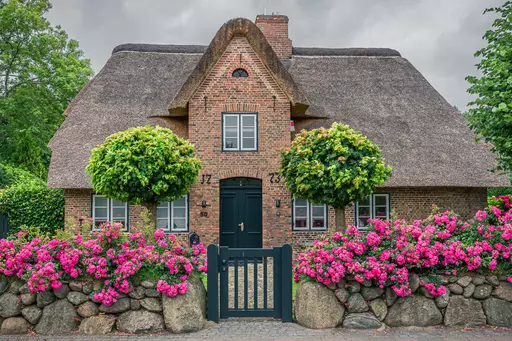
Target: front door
x,y
240,213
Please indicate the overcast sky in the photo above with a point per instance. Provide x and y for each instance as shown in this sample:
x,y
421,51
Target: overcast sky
x,y
439,37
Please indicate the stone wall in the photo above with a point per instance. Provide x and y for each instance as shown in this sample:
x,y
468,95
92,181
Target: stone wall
x,y
470,301
72,308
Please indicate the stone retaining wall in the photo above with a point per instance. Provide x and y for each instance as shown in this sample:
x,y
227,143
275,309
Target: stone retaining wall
x,y
470,301
72,307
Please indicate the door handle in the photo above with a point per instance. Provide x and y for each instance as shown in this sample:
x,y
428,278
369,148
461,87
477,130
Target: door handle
x,y
241,227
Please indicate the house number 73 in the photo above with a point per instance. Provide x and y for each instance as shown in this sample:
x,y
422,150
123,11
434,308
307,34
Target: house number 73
x,y
275,177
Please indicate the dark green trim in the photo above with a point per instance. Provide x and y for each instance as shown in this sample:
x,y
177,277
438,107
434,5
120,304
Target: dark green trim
x,y
239,150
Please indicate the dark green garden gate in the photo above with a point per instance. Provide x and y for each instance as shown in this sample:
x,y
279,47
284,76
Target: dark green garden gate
x,y
266,275
4,225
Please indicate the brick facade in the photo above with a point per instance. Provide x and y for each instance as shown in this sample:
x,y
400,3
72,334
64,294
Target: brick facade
x,y
275,29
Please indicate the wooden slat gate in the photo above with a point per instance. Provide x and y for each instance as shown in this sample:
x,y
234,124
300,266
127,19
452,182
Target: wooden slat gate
x,y
4,225
271,296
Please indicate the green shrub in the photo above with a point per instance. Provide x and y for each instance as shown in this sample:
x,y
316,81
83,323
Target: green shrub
x,y
494,192
33,206
13,176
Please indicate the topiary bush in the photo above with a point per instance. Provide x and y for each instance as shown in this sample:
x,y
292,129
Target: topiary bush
x,y
13,176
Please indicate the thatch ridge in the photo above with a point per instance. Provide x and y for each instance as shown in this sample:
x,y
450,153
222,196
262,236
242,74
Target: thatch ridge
x,y
239,27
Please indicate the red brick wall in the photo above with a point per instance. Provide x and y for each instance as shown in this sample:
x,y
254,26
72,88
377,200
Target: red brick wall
x,y
275,29
233,94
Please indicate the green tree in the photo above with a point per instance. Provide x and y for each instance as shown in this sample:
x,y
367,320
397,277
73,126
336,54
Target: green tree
x,y
335,166
490,114
144,165
41,70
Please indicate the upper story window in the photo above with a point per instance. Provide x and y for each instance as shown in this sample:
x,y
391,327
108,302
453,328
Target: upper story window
x,y
240,73
105,209
376,206
239,132
173,216
308,216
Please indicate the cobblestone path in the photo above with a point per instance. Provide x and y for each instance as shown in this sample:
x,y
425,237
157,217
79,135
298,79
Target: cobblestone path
x,y
234,329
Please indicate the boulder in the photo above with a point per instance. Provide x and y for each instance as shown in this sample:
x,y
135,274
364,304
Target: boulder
x,y
10,305
77,298
4,284
87,288
152,304
469,290
87,309
482,291
342,295
31,314
148,284
353,287
465,312
97,325
356,304
361,321
187,313
75,285
341,284
120,306
464,281
28,299
44,298
478,280
138,293
455,289
140,321
442,301
24,289
62,292
371,293
493,280
366,283
413,310
391,296
498,312
15,326
503,292
309,313
414,282
134,304
379,308
153,293
15,286
59,317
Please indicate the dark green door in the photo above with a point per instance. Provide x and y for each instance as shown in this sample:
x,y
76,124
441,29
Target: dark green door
x,y
240,213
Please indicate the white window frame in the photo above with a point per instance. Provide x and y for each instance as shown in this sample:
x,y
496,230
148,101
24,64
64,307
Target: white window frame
x,y
170,216
110,212
309,217
240,133
372,209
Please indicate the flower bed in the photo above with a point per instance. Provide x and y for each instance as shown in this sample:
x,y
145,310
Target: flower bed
x,y
388,253
118,267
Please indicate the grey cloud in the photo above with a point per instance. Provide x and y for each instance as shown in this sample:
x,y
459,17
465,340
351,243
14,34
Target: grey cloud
x,y
438,36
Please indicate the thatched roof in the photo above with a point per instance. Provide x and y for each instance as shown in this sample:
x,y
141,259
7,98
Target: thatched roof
x,y
376,91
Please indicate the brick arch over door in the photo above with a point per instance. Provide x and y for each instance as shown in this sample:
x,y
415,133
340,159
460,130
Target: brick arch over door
x,y
241,172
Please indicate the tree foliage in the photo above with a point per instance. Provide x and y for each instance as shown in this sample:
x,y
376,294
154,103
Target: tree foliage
x,y
490,114
144,165
335,166
41,70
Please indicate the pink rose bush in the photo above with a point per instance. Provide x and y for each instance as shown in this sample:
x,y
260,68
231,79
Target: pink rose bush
x,y
110,255
388,251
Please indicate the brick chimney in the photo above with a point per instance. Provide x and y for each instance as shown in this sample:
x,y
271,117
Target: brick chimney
x,y
275,29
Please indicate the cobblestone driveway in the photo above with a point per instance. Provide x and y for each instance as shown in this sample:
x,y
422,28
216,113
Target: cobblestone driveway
x,y
275,330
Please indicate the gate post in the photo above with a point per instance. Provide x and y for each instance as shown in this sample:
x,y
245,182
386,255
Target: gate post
x,y
286,282
213,282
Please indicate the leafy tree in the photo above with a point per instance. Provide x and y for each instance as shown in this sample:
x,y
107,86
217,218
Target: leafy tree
x,y
144,165
335,166
41,70
490,114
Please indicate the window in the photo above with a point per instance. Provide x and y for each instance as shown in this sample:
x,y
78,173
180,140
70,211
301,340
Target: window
x,y
239,132
173,216
105,209
375,206
308,216
240,73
